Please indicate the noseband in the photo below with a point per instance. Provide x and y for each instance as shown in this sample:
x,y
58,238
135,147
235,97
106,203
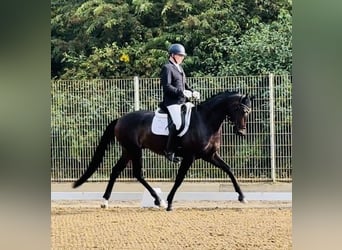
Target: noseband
x,y
244,107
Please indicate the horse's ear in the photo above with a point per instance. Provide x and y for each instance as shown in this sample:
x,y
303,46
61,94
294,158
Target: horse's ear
x,y
251,98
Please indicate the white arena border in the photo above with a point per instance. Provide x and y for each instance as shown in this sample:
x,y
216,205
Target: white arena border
x,y
183,196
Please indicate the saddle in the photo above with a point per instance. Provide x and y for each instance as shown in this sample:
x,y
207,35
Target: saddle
x,y
161,120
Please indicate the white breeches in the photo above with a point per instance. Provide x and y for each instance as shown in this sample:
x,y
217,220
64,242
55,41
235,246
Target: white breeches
x,y
175,112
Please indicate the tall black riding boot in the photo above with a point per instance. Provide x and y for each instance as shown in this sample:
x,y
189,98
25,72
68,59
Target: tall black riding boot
x,y
171,144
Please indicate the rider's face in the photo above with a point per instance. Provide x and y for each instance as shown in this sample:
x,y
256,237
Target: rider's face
x,y
179,58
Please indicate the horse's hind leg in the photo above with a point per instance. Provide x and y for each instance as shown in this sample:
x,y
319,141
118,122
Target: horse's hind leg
x,y
116,170
137,171
218,162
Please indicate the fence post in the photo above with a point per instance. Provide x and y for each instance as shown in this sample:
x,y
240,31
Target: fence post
x,y
272,131
136,93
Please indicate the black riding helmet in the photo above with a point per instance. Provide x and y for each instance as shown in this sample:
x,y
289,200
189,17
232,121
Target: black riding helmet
x,y
177,49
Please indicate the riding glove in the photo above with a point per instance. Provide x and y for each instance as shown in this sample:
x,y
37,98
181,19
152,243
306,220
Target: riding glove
x,y
196,95
187,93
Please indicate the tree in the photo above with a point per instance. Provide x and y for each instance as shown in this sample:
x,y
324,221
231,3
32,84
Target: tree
x,y
232,37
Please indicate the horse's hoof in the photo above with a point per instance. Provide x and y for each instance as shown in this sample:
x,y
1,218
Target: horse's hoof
x,y
157,203
244,201
169,208
105,204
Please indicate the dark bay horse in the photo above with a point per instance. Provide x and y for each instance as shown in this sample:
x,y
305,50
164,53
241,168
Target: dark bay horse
x,y
202,141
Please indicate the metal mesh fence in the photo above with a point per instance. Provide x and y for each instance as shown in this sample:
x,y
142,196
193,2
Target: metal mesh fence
x,y
80,111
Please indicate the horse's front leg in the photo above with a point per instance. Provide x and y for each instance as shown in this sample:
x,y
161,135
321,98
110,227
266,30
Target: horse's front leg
x,y
183,169
218,162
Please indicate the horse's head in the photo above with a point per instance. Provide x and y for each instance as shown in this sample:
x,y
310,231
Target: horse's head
x,y
240,114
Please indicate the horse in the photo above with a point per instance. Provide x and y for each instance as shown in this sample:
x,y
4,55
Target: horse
x,y
201,141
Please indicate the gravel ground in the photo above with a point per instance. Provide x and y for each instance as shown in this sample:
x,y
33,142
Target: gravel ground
x,y
191,225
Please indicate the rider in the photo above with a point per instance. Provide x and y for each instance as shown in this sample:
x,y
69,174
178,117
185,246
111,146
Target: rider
x,y
175,93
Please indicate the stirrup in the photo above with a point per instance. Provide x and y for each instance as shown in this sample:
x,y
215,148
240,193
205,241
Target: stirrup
x,y
171,157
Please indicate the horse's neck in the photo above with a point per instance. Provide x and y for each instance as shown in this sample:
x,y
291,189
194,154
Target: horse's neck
x,y
214,113
214,119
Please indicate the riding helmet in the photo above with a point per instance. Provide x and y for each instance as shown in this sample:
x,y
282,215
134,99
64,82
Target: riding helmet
x,y
177,49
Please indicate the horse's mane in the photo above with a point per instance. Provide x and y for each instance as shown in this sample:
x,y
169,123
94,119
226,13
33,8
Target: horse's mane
x,y
219,96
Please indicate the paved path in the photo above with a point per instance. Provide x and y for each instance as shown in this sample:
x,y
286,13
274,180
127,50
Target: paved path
x,y
187,192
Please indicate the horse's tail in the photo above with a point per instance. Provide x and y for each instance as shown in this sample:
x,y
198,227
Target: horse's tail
x,y
106,139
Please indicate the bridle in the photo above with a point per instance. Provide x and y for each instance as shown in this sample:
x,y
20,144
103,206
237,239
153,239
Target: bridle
x,y
245,108
241,107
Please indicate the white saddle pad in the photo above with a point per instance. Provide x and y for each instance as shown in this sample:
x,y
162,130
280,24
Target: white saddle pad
x,y
159,122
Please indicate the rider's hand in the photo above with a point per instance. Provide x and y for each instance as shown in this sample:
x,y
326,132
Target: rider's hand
x,y
196,95
187,93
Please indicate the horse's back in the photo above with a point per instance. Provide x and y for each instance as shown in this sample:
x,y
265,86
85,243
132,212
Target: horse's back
x,y
134,120
133,131
130,126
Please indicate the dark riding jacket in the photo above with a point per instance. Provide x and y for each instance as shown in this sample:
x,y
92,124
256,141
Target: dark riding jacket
x,y
174,83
